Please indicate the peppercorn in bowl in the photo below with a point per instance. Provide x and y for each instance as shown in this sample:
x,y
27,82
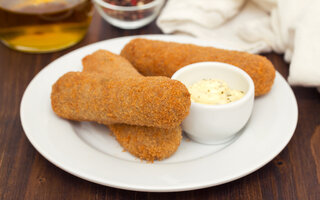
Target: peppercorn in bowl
x,y
129,14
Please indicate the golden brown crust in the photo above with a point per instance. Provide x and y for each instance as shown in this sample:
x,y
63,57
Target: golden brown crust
x,y
147,101
112,65
110,90
147,143
158,58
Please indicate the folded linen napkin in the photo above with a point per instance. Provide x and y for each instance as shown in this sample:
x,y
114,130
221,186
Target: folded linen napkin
x,y
291,27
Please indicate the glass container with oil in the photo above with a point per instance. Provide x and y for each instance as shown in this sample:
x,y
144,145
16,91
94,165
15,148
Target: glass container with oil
x,y
43,25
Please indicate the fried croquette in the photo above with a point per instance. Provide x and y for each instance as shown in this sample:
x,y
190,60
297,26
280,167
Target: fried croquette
x,y
159,58
110,89
145,101
147,143
111,65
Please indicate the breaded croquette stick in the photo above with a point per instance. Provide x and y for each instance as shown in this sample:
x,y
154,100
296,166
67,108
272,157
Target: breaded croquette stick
x,y
147,143
158,58
111,65
144,101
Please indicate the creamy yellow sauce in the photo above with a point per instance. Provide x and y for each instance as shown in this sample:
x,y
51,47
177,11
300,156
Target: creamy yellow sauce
x,y
214,92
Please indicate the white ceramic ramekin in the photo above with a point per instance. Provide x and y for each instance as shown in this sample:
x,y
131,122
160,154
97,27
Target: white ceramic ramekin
x,y
216,124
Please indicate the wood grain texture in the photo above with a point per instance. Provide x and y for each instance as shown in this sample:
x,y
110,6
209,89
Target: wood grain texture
x,y
25,174
315,149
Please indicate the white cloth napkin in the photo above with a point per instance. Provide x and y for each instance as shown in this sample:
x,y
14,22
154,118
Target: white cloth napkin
x,y
291,27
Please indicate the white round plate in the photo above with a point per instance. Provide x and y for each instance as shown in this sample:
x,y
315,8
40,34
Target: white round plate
x,y
89,151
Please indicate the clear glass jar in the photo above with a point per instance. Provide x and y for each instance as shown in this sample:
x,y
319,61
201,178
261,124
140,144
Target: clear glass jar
x,y
43,25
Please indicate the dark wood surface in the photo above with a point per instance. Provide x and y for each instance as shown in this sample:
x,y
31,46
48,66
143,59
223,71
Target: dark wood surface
x,y
25,174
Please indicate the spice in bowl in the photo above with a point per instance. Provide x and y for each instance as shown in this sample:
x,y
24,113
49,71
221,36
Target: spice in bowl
x,y
128,2
128,16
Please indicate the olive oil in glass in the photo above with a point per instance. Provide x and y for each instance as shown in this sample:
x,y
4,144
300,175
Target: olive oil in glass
x,y
43,25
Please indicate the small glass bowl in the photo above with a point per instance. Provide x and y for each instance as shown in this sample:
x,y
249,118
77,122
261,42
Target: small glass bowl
x,y
129,17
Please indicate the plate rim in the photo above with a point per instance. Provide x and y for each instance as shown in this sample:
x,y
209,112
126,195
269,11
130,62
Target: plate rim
x,y
47,155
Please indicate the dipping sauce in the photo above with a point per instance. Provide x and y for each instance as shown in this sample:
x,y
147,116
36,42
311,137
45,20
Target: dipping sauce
x,y
214,92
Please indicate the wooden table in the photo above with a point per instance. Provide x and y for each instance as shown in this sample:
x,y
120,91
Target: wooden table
x,y
25,174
